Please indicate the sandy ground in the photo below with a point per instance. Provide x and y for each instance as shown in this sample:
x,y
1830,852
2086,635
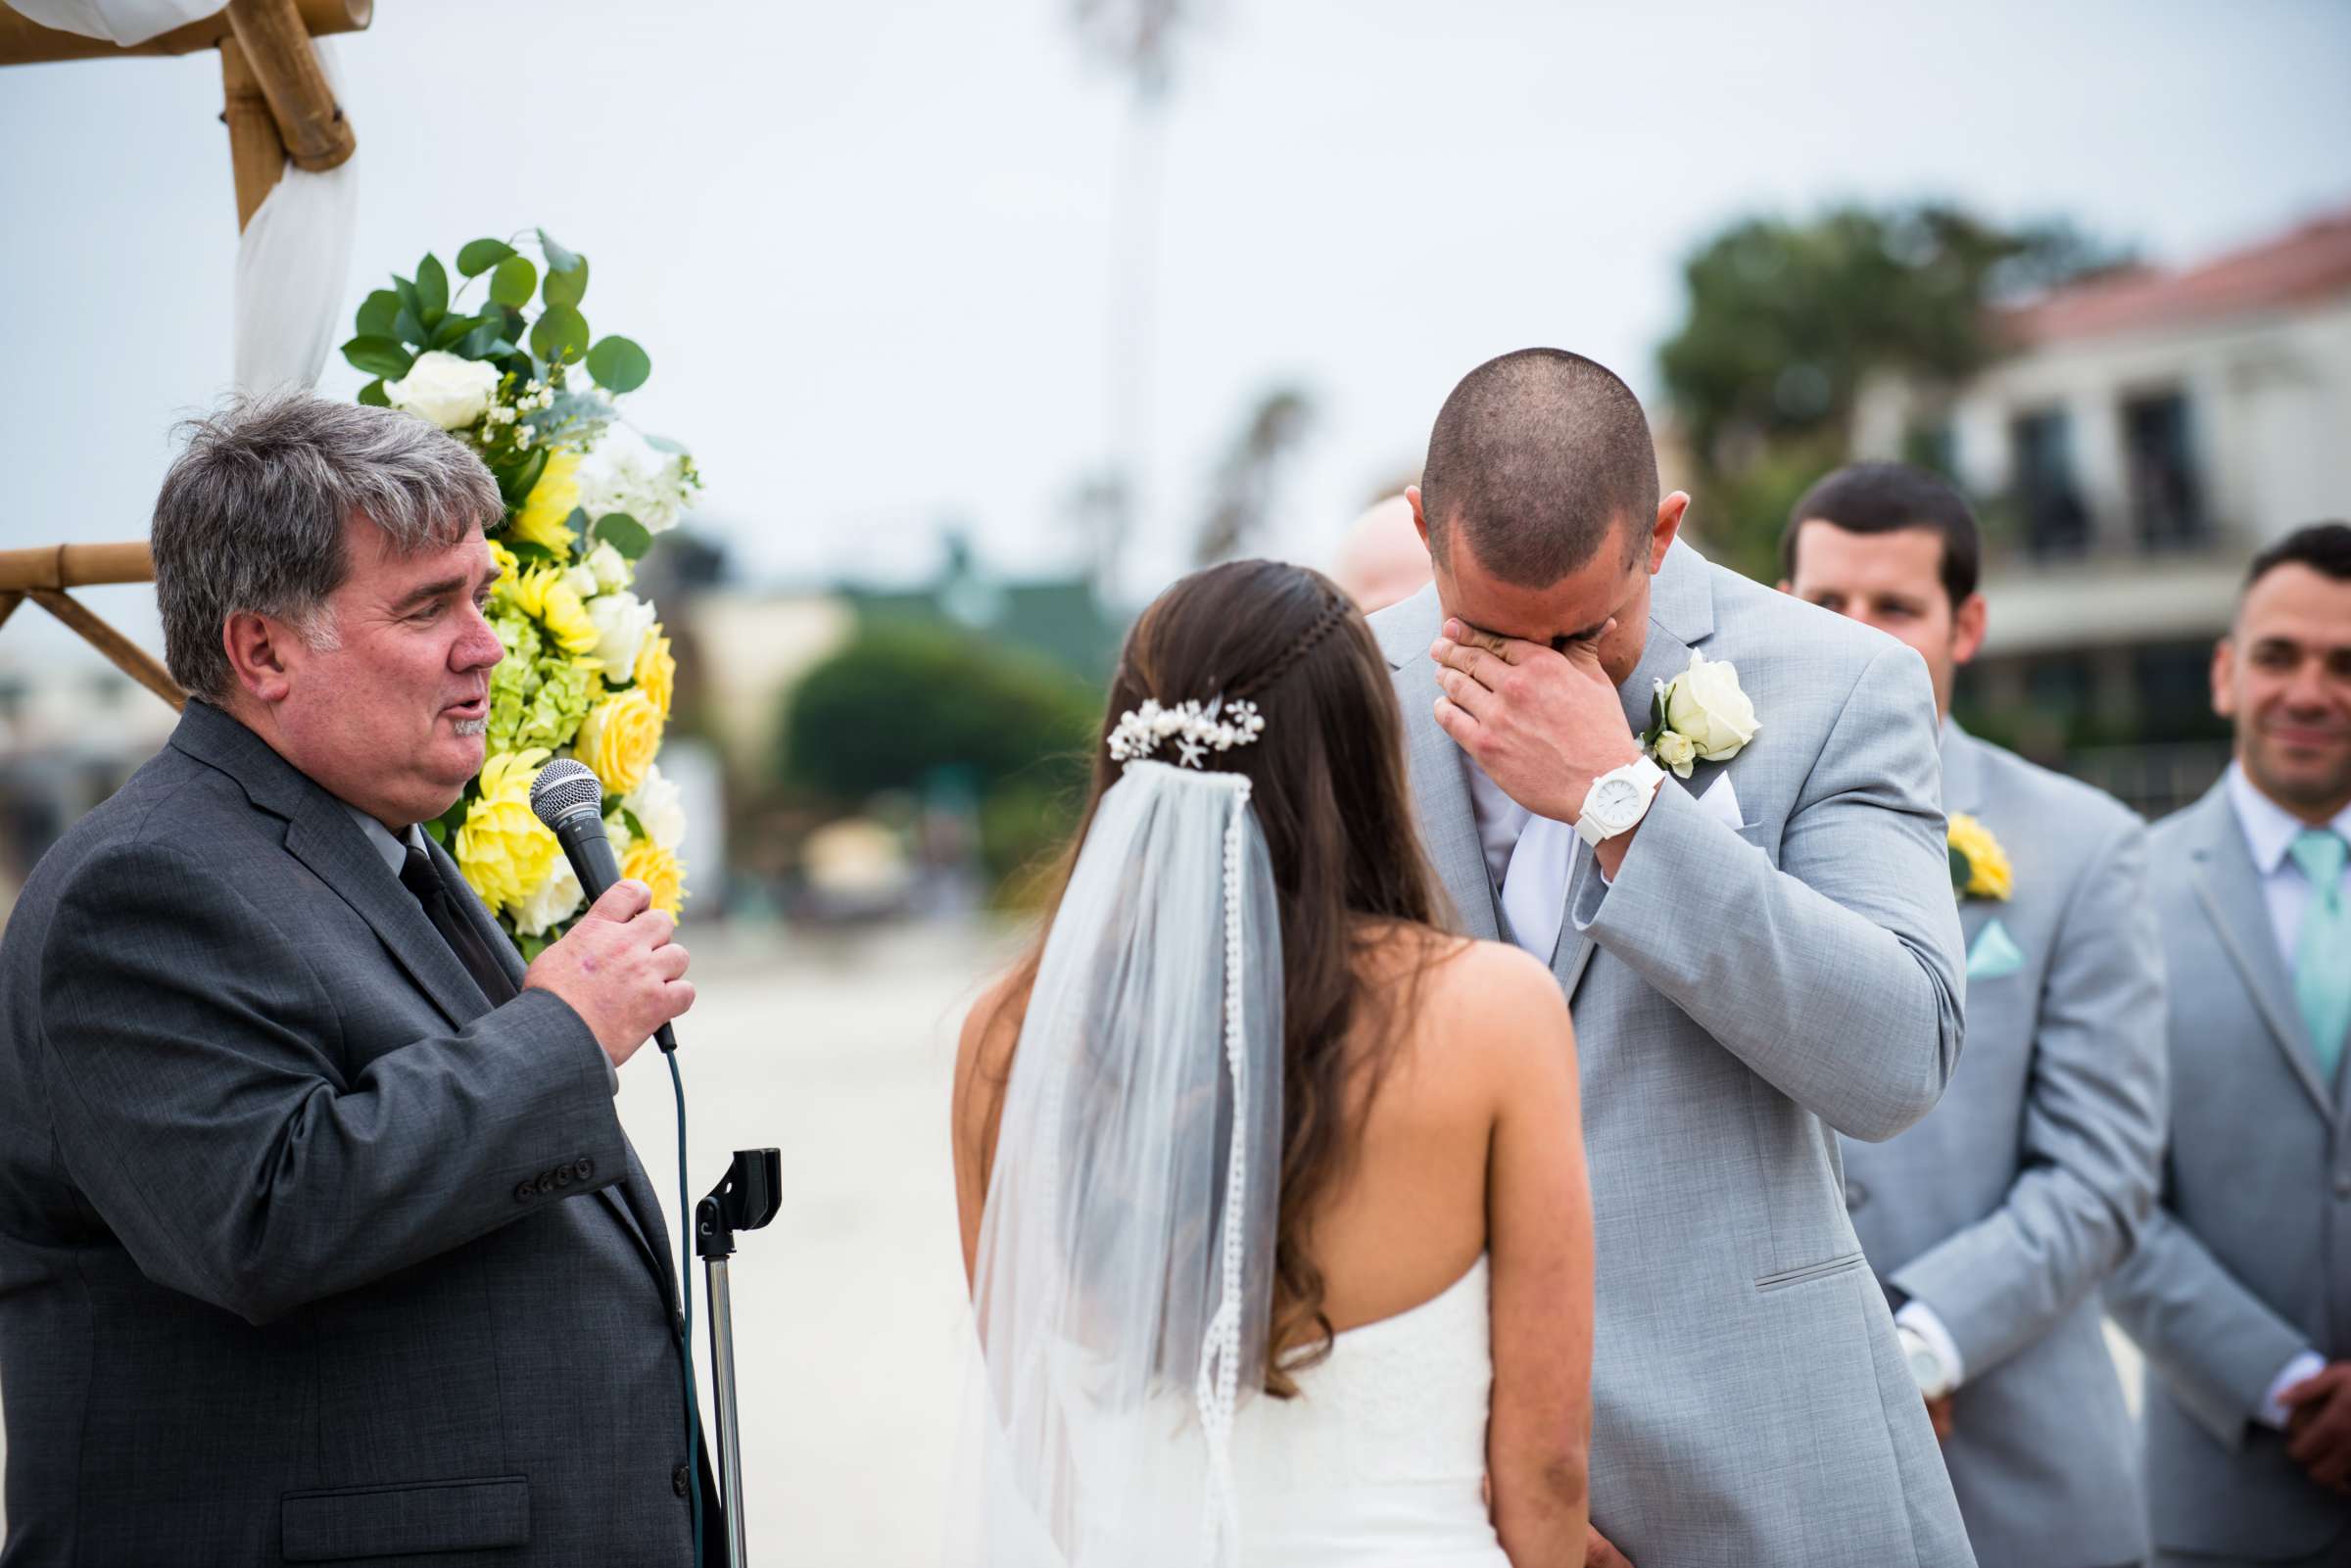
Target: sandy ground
x,y
838,1052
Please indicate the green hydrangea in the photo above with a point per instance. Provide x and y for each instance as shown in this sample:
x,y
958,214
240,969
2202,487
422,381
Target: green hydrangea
x,y
559,705
514,680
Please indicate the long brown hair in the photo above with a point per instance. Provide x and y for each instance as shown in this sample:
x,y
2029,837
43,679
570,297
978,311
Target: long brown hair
x,y
1327,784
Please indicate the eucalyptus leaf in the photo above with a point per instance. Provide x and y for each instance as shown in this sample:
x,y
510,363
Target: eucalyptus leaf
x,y
625,534
376,312
620,365
558,260
568,285
432,290
439,835
379,356
676,449
561,334
480,255
372,395
484,342
512,282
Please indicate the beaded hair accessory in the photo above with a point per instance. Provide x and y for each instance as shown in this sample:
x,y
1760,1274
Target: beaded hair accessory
x,y
1196,730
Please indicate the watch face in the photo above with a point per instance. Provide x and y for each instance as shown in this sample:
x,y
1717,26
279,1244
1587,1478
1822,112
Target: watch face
x,y
1614,798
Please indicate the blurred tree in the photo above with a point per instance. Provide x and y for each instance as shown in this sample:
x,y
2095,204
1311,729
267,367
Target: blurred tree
x,y
1242,502
1136,39
1786,319
906,705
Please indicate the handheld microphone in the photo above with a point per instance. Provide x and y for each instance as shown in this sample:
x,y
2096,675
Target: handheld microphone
x,y
568,799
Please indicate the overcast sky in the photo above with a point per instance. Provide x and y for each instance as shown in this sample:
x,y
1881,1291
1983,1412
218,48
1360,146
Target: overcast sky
x,y
868,246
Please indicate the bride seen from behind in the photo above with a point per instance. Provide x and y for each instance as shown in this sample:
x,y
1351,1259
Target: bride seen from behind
x,y
1271,1194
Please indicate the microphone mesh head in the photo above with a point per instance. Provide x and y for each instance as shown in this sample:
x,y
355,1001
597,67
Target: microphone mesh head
x,y
563,786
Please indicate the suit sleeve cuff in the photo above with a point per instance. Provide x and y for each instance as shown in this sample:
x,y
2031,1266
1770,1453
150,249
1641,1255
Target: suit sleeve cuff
x,y
2273,1412
1920,1319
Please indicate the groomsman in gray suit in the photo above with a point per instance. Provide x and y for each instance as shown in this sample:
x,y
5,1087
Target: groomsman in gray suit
x,y
2241,1289
1751,915
1993,1222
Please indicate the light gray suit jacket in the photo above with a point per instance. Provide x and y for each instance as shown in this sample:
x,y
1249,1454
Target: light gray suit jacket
x,y
1737,995
2248,1259
2005,1210
308,1253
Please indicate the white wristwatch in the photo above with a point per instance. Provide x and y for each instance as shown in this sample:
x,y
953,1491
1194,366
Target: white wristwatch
x,y
1617,801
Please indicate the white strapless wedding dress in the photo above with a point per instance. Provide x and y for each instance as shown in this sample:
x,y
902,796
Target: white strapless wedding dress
x,y
1380,1460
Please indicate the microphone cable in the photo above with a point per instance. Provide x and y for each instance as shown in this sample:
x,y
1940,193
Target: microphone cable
x,y
694,1411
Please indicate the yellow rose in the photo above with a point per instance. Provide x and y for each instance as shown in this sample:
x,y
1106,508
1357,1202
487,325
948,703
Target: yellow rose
x,y
503,850
619,738
659,871
656,673
543,595
1989,874
545,519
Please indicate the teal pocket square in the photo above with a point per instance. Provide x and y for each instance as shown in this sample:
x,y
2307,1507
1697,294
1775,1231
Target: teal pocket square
x,y
1994,954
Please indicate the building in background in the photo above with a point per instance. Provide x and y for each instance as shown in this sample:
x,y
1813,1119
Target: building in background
x,y
2148,434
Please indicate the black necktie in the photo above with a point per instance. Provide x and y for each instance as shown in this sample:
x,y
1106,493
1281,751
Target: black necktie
x,y
419,877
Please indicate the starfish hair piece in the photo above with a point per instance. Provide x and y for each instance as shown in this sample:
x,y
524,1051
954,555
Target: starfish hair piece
x,y
1195,730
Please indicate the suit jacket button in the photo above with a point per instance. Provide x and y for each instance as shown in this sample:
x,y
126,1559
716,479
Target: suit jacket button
x,y
678,1483
547,1182
1855,1195
583,1168
528,1190
562,1176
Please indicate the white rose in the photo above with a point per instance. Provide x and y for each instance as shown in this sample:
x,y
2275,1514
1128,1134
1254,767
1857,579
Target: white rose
x,y
610,567
1675,752
660,808
581,580
450,391
623,622
626,473
1704,703
554,900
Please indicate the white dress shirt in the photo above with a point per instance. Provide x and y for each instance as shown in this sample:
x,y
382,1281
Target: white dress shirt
x,y
2270,830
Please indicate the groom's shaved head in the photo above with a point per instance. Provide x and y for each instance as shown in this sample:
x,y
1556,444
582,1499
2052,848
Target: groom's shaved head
x,y
1538,459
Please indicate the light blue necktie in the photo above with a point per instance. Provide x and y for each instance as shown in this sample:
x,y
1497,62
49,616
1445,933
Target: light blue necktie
x,y
2323,955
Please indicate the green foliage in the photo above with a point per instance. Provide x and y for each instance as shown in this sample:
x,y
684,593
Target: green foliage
x,y
625,534
618,364
385,357
561,334
432,290
477,256
904,700
1788,319
376,316
512,282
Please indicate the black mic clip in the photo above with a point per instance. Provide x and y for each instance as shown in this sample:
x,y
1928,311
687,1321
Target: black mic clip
x,y
745,1199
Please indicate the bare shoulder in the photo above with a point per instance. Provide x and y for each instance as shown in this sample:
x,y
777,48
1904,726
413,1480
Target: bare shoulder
x,y
992,1027
1500,1007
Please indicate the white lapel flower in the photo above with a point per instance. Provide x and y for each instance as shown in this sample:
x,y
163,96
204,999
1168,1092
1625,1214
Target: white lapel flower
x,y
1699,716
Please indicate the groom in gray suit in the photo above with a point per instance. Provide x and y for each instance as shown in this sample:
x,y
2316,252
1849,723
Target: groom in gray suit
x,y
320,1238
1993,1222
1760,949
2241,1290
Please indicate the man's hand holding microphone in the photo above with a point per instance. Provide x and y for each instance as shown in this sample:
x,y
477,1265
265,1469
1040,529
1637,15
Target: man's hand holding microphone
x,y
617,967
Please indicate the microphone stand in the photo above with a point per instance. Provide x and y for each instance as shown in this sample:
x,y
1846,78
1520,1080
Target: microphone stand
x,y
745,1200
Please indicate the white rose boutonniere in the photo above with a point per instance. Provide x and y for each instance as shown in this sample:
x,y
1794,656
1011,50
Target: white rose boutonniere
x,y
1699,716
450,391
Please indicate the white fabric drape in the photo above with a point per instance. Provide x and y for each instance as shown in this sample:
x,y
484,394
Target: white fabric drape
x,y
295,257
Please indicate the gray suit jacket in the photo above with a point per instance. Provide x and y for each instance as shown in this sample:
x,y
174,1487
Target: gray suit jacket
x,y
1737,995
2248,1259
306,1252
2006,1209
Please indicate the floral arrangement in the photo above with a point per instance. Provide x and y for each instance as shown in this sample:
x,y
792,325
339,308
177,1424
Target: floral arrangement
x,y
1980,866
588,672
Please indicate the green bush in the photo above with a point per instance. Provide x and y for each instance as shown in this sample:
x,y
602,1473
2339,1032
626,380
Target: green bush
x,y
907,703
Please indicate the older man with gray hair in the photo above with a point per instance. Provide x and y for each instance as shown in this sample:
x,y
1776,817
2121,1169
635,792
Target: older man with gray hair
x,y
320,1238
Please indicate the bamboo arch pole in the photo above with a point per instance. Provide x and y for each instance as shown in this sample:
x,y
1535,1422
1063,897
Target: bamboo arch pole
x,y
278,107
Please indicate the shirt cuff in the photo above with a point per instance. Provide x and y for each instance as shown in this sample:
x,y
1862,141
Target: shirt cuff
x,y
1920,1319
2272,1412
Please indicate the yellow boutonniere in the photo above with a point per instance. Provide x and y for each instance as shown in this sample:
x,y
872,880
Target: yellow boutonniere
x,y
1978,865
